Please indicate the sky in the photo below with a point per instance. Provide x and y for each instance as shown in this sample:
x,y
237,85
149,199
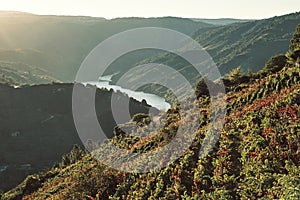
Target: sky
x,y
242,9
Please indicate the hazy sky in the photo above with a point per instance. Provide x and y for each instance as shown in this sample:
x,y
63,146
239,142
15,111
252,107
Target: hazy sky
x,y
246,9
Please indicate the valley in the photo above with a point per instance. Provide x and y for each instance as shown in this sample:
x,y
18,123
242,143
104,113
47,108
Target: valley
x,y
43,154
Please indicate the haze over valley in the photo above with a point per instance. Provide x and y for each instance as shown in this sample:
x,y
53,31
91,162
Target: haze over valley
x,y
244,124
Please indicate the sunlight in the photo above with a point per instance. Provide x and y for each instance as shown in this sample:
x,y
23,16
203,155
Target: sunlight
x,y
242,9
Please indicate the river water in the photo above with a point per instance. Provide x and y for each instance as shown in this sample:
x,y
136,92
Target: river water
x,y
152,99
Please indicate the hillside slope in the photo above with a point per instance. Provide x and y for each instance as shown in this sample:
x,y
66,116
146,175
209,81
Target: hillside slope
x,y
247,45
37,126
221,21
257,156
59,44
250,44
17,74
241,44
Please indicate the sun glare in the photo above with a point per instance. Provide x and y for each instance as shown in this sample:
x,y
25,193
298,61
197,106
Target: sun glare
x,y
155,8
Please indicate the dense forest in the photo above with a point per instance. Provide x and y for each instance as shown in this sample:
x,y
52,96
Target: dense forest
x,y
256,157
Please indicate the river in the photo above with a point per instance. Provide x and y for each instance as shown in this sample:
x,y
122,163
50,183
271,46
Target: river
x,y
152,99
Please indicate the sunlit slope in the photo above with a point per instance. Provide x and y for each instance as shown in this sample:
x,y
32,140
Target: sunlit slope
x,y
256,157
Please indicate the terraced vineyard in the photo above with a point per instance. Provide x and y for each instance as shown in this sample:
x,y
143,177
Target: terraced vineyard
x,y
256,157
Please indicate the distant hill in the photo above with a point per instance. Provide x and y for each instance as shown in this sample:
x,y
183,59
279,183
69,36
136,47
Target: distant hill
x,y
247,45
59,44
222,21
242,44
16,70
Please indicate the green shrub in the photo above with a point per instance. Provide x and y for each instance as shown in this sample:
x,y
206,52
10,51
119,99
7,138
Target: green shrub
x,y
141,119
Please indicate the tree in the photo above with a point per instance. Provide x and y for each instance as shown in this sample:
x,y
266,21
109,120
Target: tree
x,y
72,157
206,87
234,74
201,88
295,42
294,52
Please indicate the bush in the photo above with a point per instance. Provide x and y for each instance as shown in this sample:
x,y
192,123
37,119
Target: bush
x,y
275,64
72,157
234,74
141,119
202,88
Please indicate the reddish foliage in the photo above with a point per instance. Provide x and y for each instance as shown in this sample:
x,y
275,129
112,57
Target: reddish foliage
x,y
267,101
253,155
287,111
223,153
267,131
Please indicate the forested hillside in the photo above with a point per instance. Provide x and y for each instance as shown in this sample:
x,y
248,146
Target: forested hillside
x,y
256,157
57,45
18,73
53,47
247,45
37,126
250,44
